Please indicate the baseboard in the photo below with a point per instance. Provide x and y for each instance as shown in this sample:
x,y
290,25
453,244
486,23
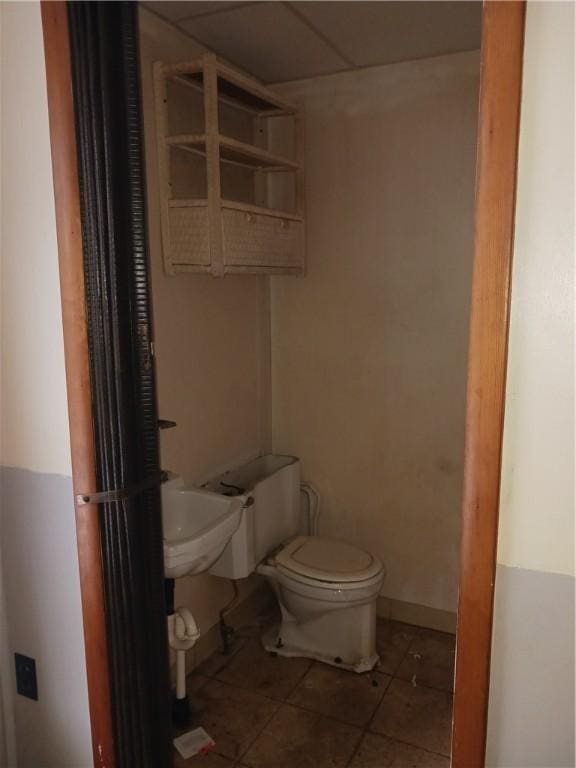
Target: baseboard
x,y
419,615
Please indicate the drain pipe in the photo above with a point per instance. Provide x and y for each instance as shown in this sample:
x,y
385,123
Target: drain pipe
x,y
183,633
313,499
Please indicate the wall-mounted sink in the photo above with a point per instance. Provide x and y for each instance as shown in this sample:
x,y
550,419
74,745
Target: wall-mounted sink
x,y
198,524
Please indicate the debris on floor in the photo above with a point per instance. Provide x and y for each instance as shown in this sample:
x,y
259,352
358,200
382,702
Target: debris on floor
x,y
416,657
195,742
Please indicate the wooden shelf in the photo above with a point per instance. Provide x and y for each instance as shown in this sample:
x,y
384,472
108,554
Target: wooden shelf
x,y
216,235
234,152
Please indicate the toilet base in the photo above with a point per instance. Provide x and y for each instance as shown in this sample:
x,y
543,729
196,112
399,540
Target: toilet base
x,y
285,639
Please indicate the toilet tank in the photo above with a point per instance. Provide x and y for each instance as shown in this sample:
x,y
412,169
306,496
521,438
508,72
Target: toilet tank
x,y
270,487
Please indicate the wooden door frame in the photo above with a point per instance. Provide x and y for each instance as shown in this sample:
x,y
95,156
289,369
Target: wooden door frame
x,y
496,164
76,357
500,90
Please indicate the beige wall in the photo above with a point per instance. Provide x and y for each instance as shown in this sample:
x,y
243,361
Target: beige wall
x,y
212,346
33,409
531,709
369,349
537,495
40,611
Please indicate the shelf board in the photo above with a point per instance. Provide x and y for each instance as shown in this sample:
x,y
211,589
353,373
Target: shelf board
x,y
187,139
234,152
196,202
236,206
261,210
233,87
189,142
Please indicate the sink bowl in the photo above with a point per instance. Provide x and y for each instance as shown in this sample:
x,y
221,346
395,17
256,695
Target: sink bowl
x,y
198,524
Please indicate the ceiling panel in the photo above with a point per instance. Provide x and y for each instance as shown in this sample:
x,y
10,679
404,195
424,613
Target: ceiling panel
x,y
172,10
268,40
279,41
372,33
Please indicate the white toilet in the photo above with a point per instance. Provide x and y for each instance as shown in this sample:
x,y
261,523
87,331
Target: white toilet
x,y
326,589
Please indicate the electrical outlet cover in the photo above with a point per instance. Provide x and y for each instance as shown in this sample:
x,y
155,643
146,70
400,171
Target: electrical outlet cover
x,y
26,682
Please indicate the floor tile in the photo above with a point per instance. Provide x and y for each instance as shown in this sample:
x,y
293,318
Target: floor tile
x,y
257,670
194,682
341,694
381,752
233,717
430,660
210,760
298,739
269,615
416,715
392,642
214,663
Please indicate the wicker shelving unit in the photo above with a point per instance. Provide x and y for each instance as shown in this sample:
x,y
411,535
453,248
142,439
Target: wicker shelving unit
x,y
230,202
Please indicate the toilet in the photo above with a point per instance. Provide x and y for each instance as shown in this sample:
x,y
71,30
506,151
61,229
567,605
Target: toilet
x,y
326,588
327,591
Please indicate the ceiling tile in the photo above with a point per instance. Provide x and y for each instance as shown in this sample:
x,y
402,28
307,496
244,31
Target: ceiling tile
x,y
372,33
172,10
266,39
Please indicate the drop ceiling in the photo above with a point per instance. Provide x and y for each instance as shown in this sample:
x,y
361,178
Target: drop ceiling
x,y
282,41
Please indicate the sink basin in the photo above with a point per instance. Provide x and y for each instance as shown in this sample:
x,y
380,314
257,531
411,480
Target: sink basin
x,y
198,524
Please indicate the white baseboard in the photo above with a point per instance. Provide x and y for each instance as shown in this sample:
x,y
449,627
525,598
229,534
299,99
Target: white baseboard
x,y
419,615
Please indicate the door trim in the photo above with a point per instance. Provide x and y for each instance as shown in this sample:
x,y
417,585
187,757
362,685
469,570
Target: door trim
x,y
497,151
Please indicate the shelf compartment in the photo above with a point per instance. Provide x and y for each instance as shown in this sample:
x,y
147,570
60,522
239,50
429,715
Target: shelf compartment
x,y
234,88
256,240
252,240
234,152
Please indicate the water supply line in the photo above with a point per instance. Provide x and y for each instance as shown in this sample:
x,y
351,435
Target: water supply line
x,y
227,633
313,499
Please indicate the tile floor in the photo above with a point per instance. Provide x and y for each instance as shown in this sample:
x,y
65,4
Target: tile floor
x,y
271,712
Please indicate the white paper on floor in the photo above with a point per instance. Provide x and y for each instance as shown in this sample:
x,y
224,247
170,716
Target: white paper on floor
x,y
193,743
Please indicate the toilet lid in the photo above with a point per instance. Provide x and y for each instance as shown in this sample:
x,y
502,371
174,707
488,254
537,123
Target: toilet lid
x,y
328,560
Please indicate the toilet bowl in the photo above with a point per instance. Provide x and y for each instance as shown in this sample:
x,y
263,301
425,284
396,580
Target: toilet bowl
x,y
327,591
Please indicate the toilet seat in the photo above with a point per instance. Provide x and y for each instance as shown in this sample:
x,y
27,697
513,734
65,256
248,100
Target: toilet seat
x,y
328,563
